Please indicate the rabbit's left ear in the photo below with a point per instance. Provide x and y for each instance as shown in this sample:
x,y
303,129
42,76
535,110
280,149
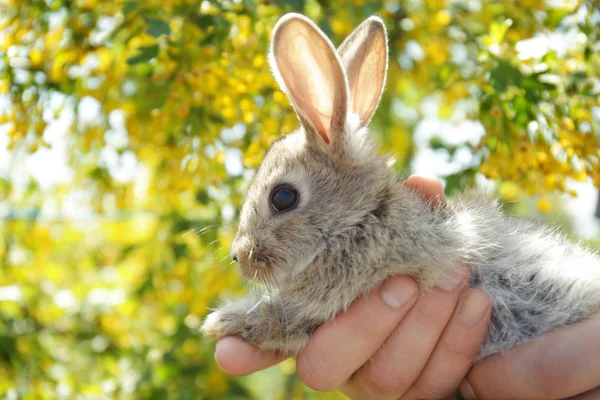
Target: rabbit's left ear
x,y
308,69
364,55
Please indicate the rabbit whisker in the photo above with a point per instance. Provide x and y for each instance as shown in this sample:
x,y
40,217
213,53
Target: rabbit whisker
x,y
285,316
200,231
254,306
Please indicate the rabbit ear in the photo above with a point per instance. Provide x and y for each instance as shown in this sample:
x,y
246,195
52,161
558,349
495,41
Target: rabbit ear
x,y
309,71
364,55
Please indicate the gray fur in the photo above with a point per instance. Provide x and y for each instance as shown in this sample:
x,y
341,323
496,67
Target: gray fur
x,y
356,224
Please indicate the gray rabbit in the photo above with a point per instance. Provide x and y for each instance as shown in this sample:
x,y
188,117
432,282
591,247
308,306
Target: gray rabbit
x,y
326,219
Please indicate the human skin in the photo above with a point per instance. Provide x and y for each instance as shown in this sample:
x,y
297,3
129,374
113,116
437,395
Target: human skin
x,y
564,363
427,345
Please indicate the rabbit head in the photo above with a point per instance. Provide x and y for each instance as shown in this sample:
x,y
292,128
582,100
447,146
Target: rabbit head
x,y
320,180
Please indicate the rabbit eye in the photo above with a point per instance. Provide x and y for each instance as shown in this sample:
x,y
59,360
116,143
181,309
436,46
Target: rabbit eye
x,y
284,198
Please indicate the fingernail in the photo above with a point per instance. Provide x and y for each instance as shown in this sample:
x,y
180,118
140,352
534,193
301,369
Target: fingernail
x,y
398,291
473,307
454,279
466,390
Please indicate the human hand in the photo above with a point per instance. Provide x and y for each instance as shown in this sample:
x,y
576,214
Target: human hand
x,y
564,363
401,344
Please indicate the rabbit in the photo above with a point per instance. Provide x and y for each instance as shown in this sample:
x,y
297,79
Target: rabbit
x,y
326,220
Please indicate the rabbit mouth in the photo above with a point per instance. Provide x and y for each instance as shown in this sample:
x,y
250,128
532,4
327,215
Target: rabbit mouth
x,y
261,268
268,269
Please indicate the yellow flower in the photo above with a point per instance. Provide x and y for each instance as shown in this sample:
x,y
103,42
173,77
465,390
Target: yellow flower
x,y
4,87
440,20
509,191
87,4
544,205
35,55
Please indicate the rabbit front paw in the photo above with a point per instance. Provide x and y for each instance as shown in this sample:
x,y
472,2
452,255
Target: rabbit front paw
x,y
259,326
226,321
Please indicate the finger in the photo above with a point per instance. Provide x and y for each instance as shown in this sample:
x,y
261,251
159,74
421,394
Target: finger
x,y
392,371
591,395
237,357
431,189
340,347
456,349
559,364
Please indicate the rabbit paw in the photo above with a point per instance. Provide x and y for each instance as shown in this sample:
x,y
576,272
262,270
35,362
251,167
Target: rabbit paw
x,y
226,321
262,329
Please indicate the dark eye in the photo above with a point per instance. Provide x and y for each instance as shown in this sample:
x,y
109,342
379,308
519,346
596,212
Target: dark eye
x,y
284,198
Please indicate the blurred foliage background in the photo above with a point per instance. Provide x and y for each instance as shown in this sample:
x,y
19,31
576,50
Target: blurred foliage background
x,y
129,130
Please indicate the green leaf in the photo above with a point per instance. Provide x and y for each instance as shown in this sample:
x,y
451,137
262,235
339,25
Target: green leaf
x,y
179,250
534,88
7,347
296,5
215,27
100,174
436,143
555,16
206,21
372,7
456,183
492,143
157,27
202,196
250,6
504,75
129,7
145,54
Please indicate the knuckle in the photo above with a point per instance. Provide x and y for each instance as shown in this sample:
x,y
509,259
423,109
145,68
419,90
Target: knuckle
x,y
312,376
430,318
459,348
363,327
384,379
434,390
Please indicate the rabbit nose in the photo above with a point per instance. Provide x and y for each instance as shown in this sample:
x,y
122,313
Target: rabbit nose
x,y
234,257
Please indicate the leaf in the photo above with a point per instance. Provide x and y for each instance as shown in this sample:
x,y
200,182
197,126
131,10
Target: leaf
x,y
456,183
202,196
7,347
534,88
127,250
215,27
504,75
99,174
129,7
555,16
179,250
145,54
206,21
436,143
157,27
492,143
250,6
296,5
372,7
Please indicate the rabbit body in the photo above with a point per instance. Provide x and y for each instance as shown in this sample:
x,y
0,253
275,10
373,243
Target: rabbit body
x,y
536,279
355,224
